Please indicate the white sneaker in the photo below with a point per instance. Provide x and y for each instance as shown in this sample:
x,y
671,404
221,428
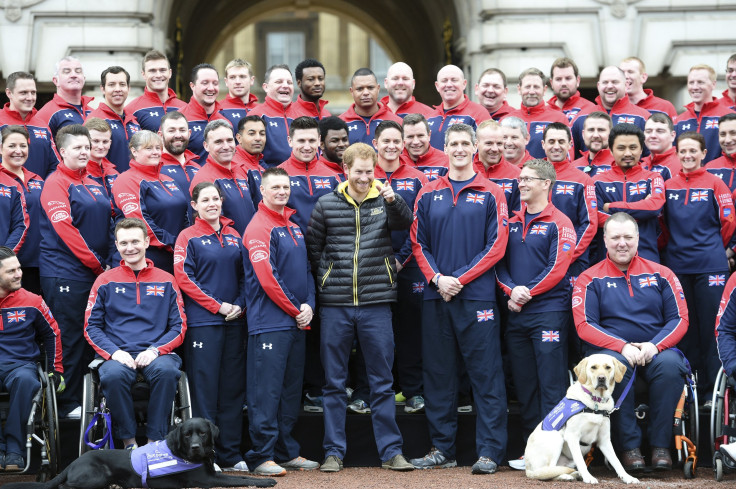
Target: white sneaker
x,y
519,464
75,413
238,467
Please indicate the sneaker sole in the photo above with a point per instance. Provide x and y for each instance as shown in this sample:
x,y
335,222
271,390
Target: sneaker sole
x,y
360,411
313,409
330,469
446,465
409,410
269,474
298,469
479,471
397,469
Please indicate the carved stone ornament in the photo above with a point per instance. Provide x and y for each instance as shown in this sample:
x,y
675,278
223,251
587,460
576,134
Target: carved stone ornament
x,y
13,8
618,7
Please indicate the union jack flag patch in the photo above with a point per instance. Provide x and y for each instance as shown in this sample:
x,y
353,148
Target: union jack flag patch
x,y
298,233
565,190
322,183
417,287
96,191
475,198
34,185
5,192
16,316
539,229
711,124
647,282
506,186
625,120
171,185
157,290
230,241
40,134
716,280
699,196
405,185
550,336
432,173
638,188
539,128
484,315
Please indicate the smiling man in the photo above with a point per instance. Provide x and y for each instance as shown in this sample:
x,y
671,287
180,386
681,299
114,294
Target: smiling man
x,y
334,140
239,101
659,134
400,84
230,179
636,77
68,106
598,158
489,161
115,88
177,161
251,138
459,234
564,79
157,99
491,91
203,107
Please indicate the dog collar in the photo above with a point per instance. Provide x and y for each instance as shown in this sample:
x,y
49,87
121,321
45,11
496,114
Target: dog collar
x,y
594,397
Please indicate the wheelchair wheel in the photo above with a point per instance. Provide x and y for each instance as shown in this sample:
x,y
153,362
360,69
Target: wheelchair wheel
x,y
90,407
716,412
183,403
718,469
689,470
51,420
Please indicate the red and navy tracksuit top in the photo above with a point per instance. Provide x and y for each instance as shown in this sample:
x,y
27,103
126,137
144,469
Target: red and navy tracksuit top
x,y
144,193
42,155
538,256
122,127
572,106
622,112
235,110
643,304
601,162
278,279
181,174
30,187
654,104
434,163
24,316
14,219
727,101
574,195
208,266
411,106
724,168
76,226
466,112
706,123
362,129
336,167
104,173
698,221
461,235
407,182
233,183
637,192
148,109
537,118
502,112
505,175
277,119
252,166
666,164
726,327
132,312
309,182
309,109
198,119
58,113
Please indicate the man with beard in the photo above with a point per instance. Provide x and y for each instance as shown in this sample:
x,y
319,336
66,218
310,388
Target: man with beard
x,y
366,112
564,79
178,162
310,78
598,158
400,83
333,141
491,91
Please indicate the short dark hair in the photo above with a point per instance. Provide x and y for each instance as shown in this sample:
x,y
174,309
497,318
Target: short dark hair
x,y
274,171
414,119
662,118
563,63
250,118
202,66
691,135
303,122
97,124
307,63
532,72
114,70
15,76
621,217
153,55
384,125
331,123
731,116
201,186
66,132
5,253
131,223
267,76
362,72
558,126
172,116
598,114
14,129
625,130
492,71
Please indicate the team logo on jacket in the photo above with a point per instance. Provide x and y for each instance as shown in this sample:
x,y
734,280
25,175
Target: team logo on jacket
x,y
129,208
649,281
474,198
155,290
565,190
550,336
230,241
484,315
322,183
405,185
171,186
258,255
566,247
699,196
417,287
638,188
34,185
716,280
16,316
540,229
5,192
40,134
59,216
711,124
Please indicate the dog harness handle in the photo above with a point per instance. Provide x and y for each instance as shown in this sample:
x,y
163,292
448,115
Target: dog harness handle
x,y
99,416
626,390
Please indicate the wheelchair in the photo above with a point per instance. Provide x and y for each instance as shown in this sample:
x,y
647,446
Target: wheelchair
x,y
96,424
42,428
723,423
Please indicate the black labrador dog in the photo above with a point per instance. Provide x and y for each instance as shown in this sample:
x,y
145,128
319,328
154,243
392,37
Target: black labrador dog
x,y
193,441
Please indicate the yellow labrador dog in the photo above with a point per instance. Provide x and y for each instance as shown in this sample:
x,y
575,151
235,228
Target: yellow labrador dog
x,y
555,449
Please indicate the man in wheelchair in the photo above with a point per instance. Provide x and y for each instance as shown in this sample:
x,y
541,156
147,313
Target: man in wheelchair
x,y
726,341
24,316
134,320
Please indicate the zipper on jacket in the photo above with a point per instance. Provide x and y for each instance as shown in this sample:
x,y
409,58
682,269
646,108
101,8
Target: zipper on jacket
x,y
327,274
388,268
355,255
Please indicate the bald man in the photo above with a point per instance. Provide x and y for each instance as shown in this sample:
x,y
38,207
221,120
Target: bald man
x,y
400,83
456,107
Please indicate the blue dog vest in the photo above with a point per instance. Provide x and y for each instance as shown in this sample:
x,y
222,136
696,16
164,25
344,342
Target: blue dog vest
x,y
156,460
565,409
